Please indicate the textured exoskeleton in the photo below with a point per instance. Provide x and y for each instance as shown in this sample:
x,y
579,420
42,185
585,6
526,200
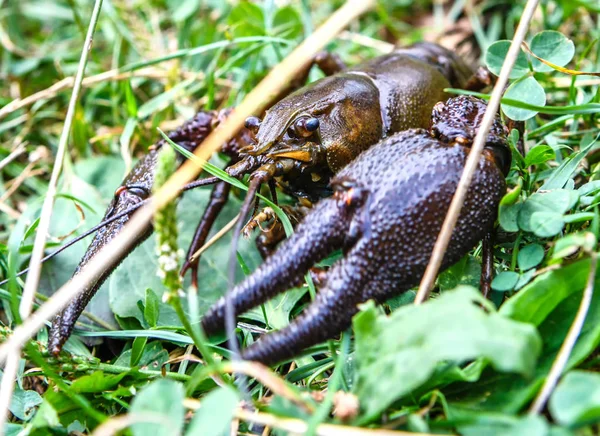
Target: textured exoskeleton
x,y
304,139
386,213
308,136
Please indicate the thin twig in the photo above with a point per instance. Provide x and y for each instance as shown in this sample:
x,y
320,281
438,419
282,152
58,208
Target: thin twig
x,y
367,41
560,362
271,380
441,244
254,102
33,277
214,239
9,211
18,151
27,173
113,425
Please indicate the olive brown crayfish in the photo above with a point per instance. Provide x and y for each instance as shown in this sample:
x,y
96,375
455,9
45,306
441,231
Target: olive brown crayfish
x,y
385,215
304,140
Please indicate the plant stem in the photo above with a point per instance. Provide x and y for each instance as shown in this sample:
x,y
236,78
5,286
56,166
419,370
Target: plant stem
x,y
560,362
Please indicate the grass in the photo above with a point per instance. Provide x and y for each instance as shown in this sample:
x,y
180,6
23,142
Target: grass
x,y
154,65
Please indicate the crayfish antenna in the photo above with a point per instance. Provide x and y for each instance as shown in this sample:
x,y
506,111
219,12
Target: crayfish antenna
x,y
313,240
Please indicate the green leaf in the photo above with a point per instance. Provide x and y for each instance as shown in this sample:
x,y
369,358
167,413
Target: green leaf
x,y
535,302
530,256
462,331
247,19
128,334
151,308
570,244
552,46
153,355
556,202
580,217
524,278
561,175
186,10
23,403
539,155
46,416
505,281
576,400
130,101
96,382
546,224
137,349
278,309
508,216
552,300
495,55
287,21
505,425
215,413
527,90
467,271
590,188
158,409
11,429
512,195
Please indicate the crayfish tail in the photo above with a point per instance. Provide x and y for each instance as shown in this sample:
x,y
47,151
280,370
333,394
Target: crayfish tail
x,y
312,241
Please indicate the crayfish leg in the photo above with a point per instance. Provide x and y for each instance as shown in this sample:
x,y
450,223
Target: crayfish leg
x,y
487,264
218,198
269,238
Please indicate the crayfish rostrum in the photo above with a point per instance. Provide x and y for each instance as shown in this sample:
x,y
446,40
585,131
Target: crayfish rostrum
x,y
303,140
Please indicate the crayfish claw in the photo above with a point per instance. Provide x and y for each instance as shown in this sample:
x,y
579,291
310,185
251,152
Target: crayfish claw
x,y
308,245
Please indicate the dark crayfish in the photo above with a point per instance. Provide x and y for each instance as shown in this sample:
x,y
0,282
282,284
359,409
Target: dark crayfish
x,y
304,139
385,214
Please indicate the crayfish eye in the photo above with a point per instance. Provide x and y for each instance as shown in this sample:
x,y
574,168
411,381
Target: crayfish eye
x,y
305,127
252,124
138,191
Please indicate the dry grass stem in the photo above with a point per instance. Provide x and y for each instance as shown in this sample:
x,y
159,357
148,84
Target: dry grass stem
x,y
9,211
35,264
269,379
215,238
367,41
18,151
443,239
297,426
112,75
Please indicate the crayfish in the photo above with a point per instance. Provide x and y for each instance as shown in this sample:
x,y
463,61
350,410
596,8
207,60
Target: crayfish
x,y
304,140
386,212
